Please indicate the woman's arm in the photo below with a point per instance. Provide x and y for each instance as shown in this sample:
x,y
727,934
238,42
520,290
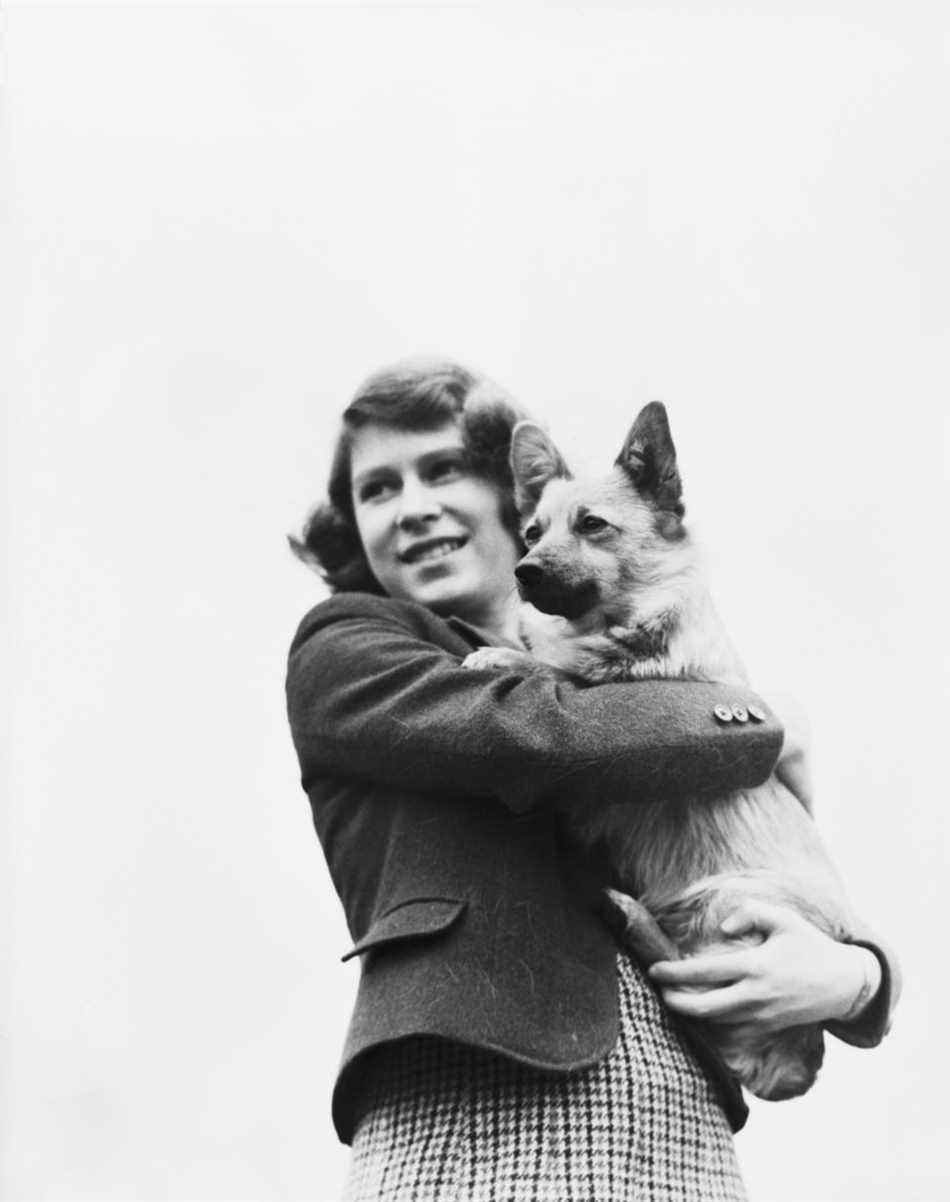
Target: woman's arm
x,y
795,975
371,692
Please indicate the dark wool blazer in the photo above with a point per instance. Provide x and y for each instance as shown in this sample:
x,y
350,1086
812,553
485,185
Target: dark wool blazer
x,y
431,789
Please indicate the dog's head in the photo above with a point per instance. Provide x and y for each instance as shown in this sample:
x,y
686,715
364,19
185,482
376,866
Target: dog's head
x,y
593,544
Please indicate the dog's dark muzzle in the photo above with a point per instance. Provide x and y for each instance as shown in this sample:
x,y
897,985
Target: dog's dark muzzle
x,y
553,596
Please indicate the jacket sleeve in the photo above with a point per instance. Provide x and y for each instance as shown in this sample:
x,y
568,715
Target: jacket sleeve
x,y
869,1028
371,695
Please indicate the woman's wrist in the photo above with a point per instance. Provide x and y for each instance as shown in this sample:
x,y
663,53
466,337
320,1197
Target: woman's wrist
x,y
864,971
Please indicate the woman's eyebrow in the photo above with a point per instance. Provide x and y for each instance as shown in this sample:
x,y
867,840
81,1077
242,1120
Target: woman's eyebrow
x,y
449,452
422,462
370,473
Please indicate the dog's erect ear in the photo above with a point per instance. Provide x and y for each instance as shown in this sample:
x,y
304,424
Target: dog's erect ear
x,y
534,461
649,459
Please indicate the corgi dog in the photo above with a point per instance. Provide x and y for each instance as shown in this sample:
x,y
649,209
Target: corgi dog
x,y
615,592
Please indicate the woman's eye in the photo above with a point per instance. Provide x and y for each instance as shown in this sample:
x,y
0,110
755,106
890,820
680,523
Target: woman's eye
x,y
444,469
591,524
372,490
531,533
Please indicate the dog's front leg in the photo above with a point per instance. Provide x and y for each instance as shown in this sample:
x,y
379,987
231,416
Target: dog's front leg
x,y
505,658
509,659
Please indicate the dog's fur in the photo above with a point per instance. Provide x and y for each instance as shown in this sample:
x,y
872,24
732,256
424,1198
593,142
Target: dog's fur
x,y
618,594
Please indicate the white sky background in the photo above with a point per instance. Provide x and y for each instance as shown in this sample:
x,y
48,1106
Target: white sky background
x,y
219,220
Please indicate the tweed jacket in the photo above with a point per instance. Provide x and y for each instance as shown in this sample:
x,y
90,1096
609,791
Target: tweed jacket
x,y
432,790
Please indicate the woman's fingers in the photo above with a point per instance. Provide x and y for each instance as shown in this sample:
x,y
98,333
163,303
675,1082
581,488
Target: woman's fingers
x,y
794,772
731,1004
756,915
700,971
793,767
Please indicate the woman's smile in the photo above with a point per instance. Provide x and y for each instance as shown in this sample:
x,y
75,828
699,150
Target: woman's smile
x,y
430,549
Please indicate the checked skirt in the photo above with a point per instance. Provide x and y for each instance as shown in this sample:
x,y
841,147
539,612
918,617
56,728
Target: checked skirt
x,y
449,1123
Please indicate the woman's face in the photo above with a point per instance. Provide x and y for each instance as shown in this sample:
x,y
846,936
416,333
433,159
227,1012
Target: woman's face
x,y
432,530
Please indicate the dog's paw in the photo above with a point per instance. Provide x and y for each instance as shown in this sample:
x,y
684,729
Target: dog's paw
x,y
503,658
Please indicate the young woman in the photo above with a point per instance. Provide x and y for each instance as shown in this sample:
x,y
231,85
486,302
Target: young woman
x,y
502,1045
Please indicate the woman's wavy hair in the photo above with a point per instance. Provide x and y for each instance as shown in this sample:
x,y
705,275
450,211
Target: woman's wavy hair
x,y
412,395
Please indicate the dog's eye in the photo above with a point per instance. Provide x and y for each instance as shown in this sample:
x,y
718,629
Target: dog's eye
x,y
531,534
591,524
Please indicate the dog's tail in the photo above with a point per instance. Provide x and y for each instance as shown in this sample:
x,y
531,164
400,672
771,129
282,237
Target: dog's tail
x,y
636,929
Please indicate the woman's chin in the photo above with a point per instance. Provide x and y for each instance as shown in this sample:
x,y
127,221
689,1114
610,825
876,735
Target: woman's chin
x,y
449,592
443,596
429,584
459,584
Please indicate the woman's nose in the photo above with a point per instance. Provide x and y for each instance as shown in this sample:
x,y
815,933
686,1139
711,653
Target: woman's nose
x,y
418,505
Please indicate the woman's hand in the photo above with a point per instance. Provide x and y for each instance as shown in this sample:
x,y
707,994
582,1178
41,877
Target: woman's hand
x,y
794,762
773,970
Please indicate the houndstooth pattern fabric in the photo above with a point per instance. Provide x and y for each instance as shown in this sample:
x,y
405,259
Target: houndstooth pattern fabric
x,y
448,1123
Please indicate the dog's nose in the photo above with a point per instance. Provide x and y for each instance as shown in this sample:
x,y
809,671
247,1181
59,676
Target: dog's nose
x,y
529,574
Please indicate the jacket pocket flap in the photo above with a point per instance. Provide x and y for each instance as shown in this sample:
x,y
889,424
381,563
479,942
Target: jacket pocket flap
x,y
421,916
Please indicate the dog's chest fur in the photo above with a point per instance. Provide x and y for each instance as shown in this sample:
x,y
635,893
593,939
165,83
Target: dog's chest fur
x,y
657,850
677,634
